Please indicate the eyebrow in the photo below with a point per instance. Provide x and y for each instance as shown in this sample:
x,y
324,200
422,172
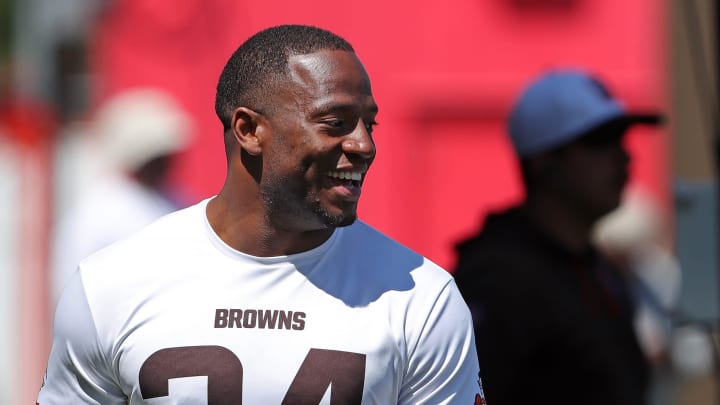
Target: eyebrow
x,y
339,106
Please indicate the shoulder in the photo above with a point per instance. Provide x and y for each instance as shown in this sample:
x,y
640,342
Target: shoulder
x,y
79,367
363,267
507,246
505,265
379,251
169,233
126,275
134,264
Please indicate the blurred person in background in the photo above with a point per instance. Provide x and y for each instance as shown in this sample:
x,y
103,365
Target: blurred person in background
x,y
553,317
635,238
131,142
632,237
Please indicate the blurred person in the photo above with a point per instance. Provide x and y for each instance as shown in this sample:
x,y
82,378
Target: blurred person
x,y
553,317
131,142
631,236
272,291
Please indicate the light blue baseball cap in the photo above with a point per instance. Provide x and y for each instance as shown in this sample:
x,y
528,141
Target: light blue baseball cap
x,y
561,106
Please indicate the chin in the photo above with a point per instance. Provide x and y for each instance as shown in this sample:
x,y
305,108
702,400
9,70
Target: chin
x,y
605,209
334,217
337,221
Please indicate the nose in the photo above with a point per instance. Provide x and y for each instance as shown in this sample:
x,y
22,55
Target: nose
x,y
359,142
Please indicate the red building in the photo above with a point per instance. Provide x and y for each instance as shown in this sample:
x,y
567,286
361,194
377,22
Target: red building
x,y
444,76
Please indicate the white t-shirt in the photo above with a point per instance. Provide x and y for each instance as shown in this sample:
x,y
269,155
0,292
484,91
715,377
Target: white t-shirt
x,y
173,315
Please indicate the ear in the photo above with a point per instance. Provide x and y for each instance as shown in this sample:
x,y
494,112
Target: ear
x,y
249,127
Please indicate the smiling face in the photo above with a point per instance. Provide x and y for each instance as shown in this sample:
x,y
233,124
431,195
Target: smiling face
x,y
320,145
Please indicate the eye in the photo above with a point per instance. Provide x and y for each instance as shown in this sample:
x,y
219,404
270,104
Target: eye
x,y
335,123
370,126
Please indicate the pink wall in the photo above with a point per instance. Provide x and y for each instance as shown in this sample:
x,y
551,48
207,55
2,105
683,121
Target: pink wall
x,y
444,76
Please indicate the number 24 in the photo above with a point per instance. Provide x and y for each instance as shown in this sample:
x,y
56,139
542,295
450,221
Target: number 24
x,y
224,371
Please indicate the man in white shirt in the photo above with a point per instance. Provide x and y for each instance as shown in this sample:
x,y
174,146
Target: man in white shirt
x,y
270,292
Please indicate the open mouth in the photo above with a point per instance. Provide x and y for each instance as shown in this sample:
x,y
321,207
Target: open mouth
x,y
346,179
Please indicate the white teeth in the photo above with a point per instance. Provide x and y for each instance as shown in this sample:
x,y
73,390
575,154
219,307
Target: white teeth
x,y
346,175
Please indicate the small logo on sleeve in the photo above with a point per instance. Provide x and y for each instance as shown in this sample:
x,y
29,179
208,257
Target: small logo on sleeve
x,y
480,396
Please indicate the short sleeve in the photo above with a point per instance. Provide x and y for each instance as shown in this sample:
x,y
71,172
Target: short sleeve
x,y
78,371
443,365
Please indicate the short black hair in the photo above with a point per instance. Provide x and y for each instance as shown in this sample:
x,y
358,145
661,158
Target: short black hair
x,y
260,61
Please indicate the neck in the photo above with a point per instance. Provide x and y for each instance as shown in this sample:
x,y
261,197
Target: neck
x,y
239,218
560,220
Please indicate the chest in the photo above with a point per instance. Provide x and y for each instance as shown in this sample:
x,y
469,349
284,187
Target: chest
x,y
220,344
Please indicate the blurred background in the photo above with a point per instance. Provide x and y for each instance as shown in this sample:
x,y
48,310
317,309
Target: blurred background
x,y
444,75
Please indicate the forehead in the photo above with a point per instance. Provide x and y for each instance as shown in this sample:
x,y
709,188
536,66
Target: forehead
x,y
330,77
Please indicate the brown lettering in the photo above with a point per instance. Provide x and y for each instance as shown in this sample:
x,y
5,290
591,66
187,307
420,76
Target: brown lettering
x,y
249,318
285,320
259,318
298,321
235,318
267,318
221,318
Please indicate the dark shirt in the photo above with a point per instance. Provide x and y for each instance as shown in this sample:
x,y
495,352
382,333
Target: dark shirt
x,y
551,326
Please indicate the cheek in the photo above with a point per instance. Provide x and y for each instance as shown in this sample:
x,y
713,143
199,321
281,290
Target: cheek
x,y
584,178
601,181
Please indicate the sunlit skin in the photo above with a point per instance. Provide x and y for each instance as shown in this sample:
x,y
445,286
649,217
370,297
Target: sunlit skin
x,y
282,194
